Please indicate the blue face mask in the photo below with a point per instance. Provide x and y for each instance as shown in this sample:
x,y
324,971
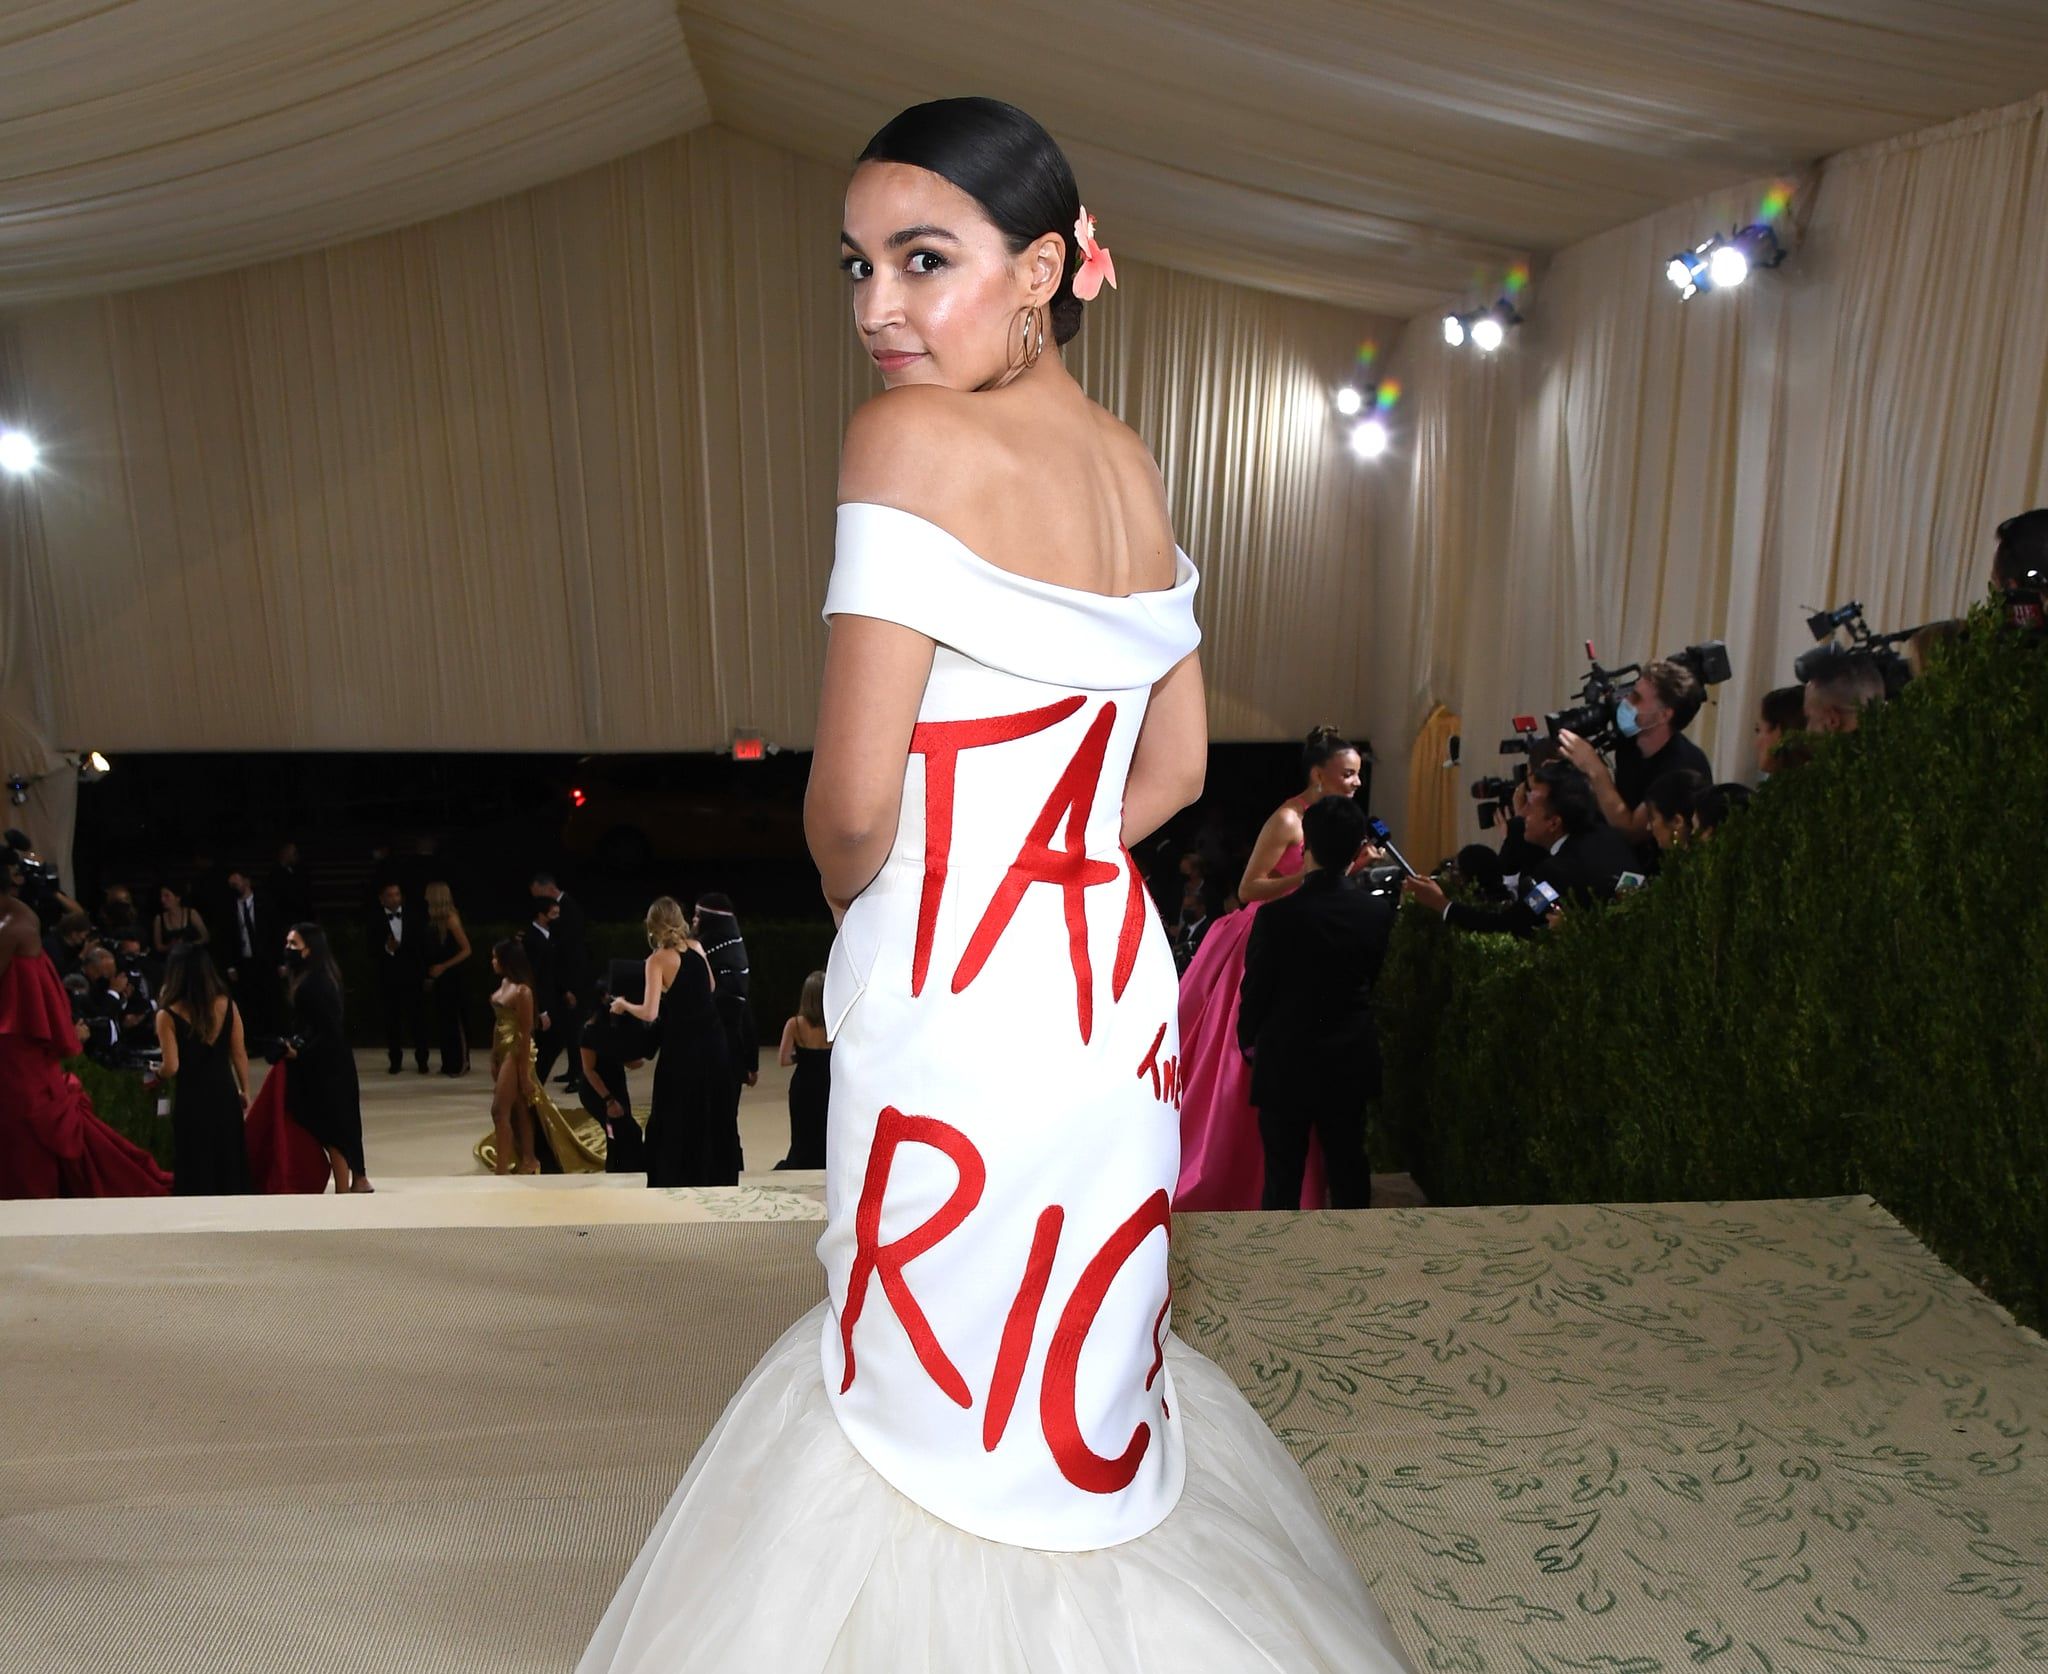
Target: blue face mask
x,y
1625,719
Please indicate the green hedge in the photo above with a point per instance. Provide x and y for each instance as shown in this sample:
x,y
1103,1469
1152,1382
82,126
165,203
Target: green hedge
x,y
118,1099
1846,990
782,953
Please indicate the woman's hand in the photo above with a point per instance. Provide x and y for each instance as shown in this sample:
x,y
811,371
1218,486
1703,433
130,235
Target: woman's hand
x,y
620,1005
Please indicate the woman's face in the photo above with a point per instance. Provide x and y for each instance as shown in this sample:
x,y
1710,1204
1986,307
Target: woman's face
x,y
1666,831
295,943
937,296
1767,737
1338,776
497,970
167,898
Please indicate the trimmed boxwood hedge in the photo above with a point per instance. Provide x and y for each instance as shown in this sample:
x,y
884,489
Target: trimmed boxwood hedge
x,y
1845,990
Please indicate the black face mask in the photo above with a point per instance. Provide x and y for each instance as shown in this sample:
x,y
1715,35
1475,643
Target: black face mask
x,y
294,958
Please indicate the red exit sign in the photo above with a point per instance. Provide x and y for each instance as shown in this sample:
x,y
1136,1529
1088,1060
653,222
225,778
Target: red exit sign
x,y
748,746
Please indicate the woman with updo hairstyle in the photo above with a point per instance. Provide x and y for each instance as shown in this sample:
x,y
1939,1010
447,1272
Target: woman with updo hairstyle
x,y
1222,1162
692,1118
986,1449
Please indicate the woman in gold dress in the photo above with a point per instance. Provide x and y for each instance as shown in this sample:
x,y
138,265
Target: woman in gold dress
x,y
518,1101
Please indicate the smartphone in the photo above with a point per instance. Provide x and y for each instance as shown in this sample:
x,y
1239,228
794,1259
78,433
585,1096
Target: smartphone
x,y
1628,881
1539,898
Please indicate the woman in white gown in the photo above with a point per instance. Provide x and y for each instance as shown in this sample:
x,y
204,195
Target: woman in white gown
x,y
985,1451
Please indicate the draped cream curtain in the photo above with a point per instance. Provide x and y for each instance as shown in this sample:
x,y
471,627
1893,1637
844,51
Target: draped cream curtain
x,y
558,473
1647,474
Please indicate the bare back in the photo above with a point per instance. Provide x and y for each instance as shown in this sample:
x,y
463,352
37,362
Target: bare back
x,y
1039,480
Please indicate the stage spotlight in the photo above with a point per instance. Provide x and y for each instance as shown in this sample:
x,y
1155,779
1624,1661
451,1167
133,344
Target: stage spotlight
x,y
1369,439
93,766
1349,401
1488,333
1454,330
1727,267
1720,264
18,452
17,789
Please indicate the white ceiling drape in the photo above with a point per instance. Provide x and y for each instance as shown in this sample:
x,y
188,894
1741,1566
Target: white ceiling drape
x,y
1385,155
149,139
558,473
1647,474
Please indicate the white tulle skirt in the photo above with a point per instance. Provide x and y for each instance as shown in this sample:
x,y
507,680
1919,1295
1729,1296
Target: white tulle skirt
x,y
782,1550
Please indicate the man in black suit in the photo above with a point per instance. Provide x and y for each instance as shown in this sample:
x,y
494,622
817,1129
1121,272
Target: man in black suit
x,y
1305,1011
250,945
289,889
1579,857
572,977
538,938
397,940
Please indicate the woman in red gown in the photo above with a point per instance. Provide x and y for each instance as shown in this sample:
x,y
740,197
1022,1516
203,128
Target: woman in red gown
x,y
51,1143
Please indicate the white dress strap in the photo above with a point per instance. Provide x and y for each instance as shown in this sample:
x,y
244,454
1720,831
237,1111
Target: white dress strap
x,y
899,567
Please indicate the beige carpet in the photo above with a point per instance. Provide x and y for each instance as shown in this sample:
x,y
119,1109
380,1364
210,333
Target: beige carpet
x,y
1746,1439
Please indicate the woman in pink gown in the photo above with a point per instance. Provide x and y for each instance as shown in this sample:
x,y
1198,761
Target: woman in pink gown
x,y
51,1143
1222,1163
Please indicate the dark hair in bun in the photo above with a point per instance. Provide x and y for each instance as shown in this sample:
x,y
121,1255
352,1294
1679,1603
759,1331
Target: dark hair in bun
x,y
1007,163
1320,746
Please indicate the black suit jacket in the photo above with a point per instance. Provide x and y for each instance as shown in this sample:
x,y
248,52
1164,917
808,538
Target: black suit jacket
x,y
409,963
1582,872
572,957
542,955
1305,1007
268,939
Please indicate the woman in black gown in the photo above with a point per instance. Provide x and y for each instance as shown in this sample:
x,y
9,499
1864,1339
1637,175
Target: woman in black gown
x,y
807,1054
321,1090
447,951
207,1063
692,1119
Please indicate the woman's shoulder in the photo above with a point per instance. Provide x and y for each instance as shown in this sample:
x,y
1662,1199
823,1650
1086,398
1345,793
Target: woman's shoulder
x,y
903,444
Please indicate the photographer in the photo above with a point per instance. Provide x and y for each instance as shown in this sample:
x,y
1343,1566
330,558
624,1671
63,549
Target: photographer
x,y
1582,858
66,944
37,886
1305,1012
117,1010
2020,564
1839,688
1652,720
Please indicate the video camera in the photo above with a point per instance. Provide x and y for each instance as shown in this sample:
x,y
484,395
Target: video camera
x,y
1592,717
1848,618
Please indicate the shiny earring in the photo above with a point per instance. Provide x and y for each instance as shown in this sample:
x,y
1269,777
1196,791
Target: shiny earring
x,y
1030,345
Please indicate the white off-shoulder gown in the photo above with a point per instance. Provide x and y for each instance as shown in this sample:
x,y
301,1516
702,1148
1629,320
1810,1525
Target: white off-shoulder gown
x,y
985,1452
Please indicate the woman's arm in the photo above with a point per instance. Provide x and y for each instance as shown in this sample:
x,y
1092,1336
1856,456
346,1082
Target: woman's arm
x,y
1171,760
167,1038
785,1054
461,942
238,1051
658,973
522,1048
193,918
1280,832
875,674
156,933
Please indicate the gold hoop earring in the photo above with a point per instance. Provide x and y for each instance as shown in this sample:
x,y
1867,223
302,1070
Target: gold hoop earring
x,y
1030,344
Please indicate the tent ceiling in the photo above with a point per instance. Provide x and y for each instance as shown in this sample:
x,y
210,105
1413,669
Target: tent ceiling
x,y
1385,154
144,140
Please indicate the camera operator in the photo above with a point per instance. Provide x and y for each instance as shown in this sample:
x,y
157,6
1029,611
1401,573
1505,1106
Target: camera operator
x,y
37,886
1841,686
1651,720
67,943
2019,567
117,1009
1581,857
1305,1011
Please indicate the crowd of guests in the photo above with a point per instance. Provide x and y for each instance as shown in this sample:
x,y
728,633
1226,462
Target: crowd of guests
x,y
213,978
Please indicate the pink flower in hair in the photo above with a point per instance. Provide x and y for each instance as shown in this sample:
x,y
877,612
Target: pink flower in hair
x,y
1095,263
